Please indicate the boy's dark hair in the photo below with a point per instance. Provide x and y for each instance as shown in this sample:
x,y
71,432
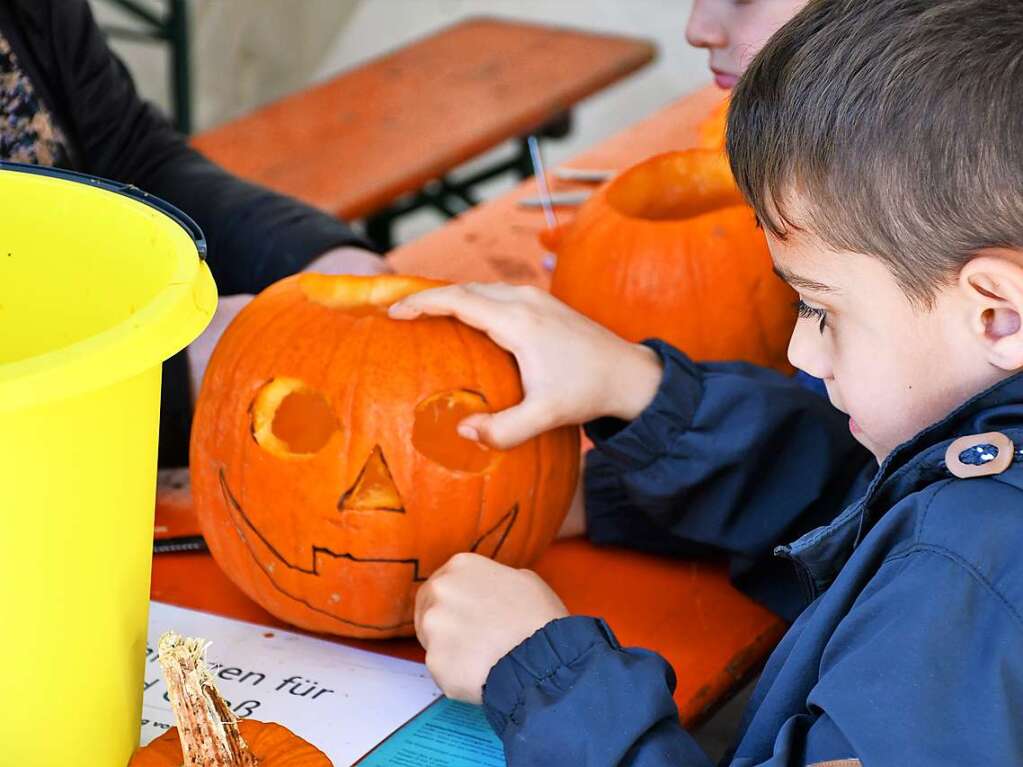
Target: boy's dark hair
x,y
898,124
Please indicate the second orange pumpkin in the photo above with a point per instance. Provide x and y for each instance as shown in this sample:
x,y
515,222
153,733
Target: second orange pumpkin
x,y
669,249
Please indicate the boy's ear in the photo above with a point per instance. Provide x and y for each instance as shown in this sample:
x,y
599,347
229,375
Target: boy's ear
x,y
993,283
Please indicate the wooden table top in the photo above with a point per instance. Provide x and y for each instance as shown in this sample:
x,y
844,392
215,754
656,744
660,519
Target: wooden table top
x,y
498,241
713,636
355,143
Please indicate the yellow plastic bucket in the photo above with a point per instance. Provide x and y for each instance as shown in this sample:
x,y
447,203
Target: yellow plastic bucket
x,y
99,284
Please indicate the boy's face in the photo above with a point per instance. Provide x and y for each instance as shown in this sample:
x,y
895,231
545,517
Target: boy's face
x,y
892,366
735,30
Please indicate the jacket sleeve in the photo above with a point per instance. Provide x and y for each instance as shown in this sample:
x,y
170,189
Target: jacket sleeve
x,y
255,236
899,683
570,694
729,458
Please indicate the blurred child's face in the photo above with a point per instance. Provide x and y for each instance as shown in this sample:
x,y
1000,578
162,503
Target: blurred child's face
x,y
735,30
892,366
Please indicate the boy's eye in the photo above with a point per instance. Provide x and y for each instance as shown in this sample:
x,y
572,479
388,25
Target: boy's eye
x,y
807,312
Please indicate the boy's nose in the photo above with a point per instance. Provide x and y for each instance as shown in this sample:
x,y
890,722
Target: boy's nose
x,y
807,351
704,30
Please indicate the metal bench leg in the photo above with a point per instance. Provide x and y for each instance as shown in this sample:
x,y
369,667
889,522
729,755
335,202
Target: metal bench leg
x,y
380,229
181,64
441,193
172,29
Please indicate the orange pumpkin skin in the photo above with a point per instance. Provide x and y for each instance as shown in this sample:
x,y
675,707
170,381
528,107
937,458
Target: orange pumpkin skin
x,y
271,744
713,129
333,508
670,250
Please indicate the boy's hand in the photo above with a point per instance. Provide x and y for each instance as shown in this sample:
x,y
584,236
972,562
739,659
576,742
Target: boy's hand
x,y
573,370
471,613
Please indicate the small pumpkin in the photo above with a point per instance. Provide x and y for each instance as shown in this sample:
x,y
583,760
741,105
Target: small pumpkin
x,y
327,473
669,249
208,733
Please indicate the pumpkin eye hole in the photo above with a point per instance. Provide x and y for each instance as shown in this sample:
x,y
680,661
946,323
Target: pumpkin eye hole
x,y
435,435
292,420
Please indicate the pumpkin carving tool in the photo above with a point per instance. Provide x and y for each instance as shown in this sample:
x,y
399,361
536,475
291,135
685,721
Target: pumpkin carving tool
x,y
541,182
545,195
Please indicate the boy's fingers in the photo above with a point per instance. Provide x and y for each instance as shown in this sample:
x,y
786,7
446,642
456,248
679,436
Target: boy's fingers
x,y
499,291
508,428
422,603
469,428
456,301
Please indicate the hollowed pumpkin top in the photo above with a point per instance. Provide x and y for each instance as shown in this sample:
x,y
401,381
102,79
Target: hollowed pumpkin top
x,y
669,250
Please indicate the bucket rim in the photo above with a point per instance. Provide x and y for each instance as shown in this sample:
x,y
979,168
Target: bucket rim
x,y
155,331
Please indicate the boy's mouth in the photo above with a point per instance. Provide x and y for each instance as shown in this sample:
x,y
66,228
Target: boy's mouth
x,y
854,427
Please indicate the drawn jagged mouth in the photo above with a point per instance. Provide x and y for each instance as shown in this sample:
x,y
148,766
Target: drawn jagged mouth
x,y
327,563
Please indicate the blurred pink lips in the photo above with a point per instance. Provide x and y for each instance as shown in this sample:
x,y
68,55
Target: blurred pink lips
x,y
854,427
723,80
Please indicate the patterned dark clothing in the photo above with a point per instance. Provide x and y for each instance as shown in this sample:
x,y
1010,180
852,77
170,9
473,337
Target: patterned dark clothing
x,y
27,132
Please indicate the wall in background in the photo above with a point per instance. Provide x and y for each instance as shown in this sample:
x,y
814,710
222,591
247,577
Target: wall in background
x,y
248,52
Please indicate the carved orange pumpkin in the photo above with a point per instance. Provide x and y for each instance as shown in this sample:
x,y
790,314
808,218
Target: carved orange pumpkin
x,y
328,477
208,733
669,249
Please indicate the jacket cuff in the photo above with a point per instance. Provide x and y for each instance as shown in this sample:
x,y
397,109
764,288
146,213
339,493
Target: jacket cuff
x,y
611,516
639,443
559,644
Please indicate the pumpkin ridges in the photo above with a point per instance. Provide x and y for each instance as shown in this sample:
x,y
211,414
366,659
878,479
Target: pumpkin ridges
x,y
475,367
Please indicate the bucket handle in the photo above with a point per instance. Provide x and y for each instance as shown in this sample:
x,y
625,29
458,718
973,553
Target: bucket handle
x,y
128,190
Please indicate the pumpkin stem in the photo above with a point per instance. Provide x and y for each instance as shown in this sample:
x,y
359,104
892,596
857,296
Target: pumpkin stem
x,y
206,725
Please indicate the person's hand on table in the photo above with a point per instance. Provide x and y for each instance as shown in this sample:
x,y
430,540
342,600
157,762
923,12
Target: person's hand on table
x,y
471,613
342,260
573,370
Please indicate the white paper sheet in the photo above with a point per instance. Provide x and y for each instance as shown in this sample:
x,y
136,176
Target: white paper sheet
x,y
342,700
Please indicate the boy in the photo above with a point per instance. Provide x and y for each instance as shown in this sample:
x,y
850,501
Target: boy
x,y
880,143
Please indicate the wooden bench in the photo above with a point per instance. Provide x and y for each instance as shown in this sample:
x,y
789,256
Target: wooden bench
x,y
714,637
358,142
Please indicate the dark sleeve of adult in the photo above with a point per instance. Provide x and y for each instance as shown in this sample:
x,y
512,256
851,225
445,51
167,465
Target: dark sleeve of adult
x,y
729,458
255,236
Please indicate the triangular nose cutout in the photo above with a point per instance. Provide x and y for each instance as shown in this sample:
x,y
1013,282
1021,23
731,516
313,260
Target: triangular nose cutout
x,y
374,488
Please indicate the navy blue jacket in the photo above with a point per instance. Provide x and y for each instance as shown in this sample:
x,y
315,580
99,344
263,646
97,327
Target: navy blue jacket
x,y
909,645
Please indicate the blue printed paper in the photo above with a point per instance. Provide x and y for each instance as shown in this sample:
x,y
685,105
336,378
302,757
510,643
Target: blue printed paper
x,y
446,734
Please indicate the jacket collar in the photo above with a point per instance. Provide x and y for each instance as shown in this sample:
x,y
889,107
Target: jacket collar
x,y
912,466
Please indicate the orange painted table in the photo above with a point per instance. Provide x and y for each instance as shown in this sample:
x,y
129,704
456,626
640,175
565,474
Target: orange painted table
x,y
713,636
357,142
